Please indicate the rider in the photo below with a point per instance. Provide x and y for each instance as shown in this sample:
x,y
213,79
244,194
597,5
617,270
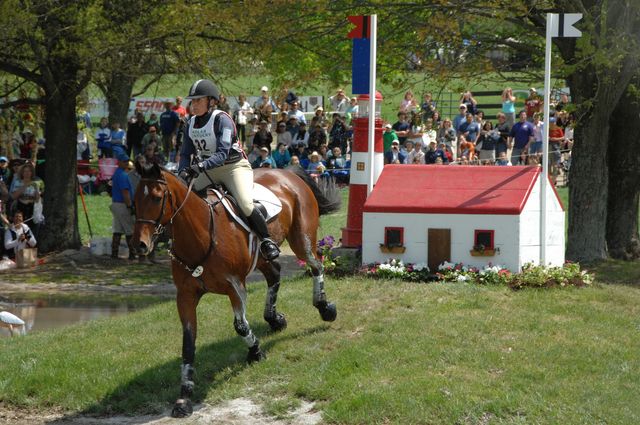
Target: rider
x,y
211,139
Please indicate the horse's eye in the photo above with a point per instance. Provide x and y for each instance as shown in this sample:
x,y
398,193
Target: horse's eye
x,y
156,199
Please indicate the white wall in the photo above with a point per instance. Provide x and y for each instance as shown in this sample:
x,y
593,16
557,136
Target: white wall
x,y
530,229
462,233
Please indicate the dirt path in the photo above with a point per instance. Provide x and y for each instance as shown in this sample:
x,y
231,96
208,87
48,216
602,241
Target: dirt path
x,y
240,411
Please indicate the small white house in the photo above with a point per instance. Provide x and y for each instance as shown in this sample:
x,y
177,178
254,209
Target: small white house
x,y
470,214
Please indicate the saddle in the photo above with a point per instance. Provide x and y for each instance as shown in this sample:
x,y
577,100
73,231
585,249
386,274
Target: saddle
x,y
263,199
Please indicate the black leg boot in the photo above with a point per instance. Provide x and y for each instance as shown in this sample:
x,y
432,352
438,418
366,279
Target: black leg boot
x,y
115,245
268,248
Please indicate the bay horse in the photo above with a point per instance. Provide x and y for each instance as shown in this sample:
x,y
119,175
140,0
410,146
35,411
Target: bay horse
x,y
210,251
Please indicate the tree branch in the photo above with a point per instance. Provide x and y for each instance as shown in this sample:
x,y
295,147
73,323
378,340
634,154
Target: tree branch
x,y
21,72
30,101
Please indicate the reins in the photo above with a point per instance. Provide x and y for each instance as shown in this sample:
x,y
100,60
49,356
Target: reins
x,y
197,270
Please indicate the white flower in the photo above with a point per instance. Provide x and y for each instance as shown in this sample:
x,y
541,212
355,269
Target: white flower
x,y
463,278
421,266
446,266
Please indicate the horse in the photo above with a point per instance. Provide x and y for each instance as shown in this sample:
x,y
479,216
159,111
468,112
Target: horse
x,y
211,252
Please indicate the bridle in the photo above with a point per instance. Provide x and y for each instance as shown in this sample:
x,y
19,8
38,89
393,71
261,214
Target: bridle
x,y
159,227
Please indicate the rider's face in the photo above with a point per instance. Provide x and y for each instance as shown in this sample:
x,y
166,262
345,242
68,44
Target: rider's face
x,y
199,106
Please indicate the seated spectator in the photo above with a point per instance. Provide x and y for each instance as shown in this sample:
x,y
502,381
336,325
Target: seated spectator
x,y
301,152
263,137
338,133
315,164
18,236
283,136
151,137
117,138
428,133
317,135
25,190
281,156
394,156
447,135
293,125
336,160
388,137
264,161
253,155
295,162
323,151
434,153
416,156
408,147
302,136
503,160
447,151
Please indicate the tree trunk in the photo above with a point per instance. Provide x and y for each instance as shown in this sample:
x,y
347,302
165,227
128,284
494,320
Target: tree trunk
x,y
60,208
624,180
118,94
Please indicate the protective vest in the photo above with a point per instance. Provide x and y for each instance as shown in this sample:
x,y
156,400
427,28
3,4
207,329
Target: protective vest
x,y
204,138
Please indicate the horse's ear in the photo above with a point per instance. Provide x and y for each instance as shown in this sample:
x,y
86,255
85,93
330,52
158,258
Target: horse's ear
x,y
156,170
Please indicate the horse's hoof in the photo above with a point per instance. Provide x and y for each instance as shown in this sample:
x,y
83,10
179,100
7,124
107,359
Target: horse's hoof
x,y
328,312
255,354
182,409
278,323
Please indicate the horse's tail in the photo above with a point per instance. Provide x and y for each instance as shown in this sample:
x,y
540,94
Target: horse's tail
x,y
326,193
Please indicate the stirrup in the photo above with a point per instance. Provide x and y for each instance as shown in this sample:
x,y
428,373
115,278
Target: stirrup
x,y
269,249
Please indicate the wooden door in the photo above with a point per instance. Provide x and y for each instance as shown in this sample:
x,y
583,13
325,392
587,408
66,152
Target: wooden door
x,y
438,247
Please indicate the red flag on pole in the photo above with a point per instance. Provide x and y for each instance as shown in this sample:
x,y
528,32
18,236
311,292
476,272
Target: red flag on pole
x,y
363,27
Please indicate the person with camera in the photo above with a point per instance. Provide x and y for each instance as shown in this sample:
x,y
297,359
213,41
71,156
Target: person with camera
x,y
18,236
212,154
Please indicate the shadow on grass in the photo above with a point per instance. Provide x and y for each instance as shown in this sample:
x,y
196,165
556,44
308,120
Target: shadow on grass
x,y
154,391
616,272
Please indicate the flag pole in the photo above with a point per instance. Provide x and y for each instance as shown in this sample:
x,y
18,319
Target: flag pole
x,y
544,182
372,100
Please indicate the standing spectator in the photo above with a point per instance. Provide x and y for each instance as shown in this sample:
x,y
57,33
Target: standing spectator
x,y
151,155
460,118
487,143
562,104
281,156
535,149
103,137
263,137
503,129
428,133
179,109
503,160
470,129
122,207
224,105
294,111
556,139
388,137
339,101
319,115
352,110
242,117
5,171
83,152
117,138
437,120
317,135
135,133
509,106
468,101
408,103
292,125
394,156
428,107
169,121
153,121
447,135
18,236
520,136
402,127
264,106
533,104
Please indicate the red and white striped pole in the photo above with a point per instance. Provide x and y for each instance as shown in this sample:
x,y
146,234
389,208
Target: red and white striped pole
x,y
362,168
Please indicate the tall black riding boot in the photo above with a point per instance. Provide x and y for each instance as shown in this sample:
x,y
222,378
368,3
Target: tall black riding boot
x,y
115,245
268,248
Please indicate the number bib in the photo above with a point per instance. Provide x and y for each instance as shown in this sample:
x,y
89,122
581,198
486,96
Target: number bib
x,y
204,138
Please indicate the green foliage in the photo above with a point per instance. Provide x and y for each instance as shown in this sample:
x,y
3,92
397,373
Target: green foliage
x,y
533,276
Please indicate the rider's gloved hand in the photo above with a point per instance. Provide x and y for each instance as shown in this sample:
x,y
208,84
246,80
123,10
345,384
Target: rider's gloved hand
x,y
196,169
187,174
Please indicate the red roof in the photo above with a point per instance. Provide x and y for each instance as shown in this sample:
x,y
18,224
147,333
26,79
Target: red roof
x,y
453,189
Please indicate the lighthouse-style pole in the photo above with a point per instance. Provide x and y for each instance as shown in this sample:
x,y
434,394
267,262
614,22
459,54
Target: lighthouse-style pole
x,y
361,167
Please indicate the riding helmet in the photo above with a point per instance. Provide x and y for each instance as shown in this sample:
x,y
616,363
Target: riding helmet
x,y
204,88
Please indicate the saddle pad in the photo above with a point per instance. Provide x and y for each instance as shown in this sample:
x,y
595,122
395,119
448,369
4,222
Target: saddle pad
x,y
268,199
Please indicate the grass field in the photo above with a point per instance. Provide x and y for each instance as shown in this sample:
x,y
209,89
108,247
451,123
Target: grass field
x,y
398,353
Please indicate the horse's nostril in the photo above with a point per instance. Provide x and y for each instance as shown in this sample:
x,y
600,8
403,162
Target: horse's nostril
x,y
142,248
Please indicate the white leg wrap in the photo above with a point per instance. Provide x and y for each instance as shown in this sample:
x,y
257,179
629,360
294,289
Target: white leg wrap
x,y
318,289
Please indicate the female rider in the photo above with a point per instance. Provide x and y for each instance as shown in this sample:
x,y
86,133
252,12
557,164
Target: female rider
x,y
211,154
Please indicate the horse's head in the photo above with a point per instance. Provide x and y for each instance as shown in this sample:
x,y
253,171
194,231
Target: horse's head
x,y
154,206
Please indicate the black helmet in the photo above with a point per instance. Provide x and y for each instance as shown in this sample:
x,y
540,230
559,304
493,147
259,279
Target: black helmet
x,y
203,88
